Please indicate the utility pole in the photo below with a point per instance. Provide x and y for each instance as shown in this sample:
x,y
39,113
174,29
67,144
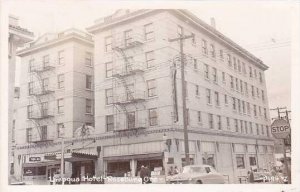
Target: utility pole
x,y
278,111
181,38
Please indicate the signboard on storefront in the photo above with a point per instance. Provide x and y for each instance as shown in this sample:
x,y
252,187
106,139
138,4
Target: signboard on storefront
x,y
34,159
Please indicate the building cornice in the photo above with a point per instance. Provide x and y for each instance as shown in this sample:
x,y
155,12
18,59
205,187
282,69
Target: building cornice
x,y
185,15
55,42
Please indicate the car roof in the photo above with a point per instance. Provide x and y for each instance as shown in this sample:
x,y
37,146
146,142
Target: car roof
x,y
197,166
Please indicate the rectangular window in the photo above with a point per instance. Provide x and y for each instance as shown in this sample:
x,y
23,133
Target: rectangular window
x,y
228,123
88,106
197,91
257,92
88,58
44,132
45,84
131,120
61,81
251,128
259,111
13,131
195,64
262,95
234,63
237,84
255,73
215,75
108,69
240,162
262,130
252,161
108,44
221,54
260,77
29,135
212,51
153,117
239,66
250,72
88,82
44,109
150,59
45,61
241,86
225,99
31,65
60,106
257,129
128,37
60,130
236,125
223,77
109,96
61,57
229,59
239,105
30,88
265,113
208,96
246,127
206,71
149,31
244,107
219,122
233,103
231,82
246,87
244,68
211,121
204,46
242,126
217,99
254,111
151,85
199,117
252,91
29,111
267,131
248,108
193,39
109,123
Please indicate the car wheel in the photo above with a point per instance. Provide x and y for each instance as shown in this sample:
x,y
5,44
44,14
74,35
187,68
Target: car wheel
x,y
199,182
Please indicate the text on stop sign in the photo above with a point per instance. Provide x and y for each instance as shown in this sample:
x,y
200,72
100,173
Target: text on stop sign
x,y
278,129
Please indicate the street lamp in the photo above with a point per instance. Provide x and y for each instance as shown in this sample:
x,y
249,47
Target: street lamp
x,y
62,157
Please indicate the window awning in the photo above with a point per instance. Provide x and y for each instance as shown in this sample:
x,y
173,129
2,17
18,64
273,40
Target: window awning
x,y
71,156
149,156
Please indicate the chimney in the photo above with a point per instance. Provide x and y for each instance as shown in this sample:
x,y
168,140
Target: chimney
x,y
213,22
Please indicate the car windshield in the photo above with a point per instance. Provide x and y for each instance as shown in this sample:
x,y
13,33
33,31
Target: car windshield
x,y
194,170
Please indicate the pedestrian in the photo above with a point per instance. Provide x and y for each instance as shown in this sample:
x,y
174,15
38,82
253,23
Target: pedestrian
x,y
171,171
251,176
148,175
176,171
143,174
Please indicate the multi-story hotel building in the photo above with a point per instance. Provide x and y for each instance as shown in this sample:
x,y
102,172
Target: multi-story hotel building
x,y
56,98
138,95
137,100
18,36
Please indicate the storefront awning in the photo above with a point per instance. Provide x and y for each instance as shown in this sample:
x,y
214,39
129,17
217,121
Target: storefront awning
x,y
40,164
72,156
149,156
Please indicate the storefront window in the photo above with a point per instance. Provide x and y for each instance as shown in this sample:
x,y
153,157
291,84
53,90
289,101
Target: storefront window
x,y
252,161
184,162
209,160
34,171
240,163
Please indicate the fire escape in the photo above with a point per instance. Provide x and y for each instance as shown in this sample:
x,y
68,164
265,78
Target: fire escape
x,y
128,70
41,96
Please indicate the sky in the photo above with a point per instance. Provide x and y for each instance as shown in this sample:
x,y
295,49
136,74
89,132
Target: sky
x,y
263,28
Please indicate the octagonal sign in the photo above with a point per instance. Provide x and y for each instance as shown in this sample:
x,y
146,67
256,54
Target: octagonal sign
x,y
280,128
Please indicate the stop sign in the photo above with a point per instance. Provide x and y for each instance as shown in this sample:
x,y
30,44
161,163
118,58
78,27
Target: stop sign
x,y
280,128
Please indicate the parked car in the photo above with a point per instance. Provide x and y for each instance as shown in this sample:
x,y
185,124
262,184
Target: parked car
x,y
262,175
197,174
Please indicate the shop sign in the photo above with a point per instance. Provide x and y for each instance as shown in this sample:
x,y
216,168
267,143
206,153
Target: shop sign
x,y
34,159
